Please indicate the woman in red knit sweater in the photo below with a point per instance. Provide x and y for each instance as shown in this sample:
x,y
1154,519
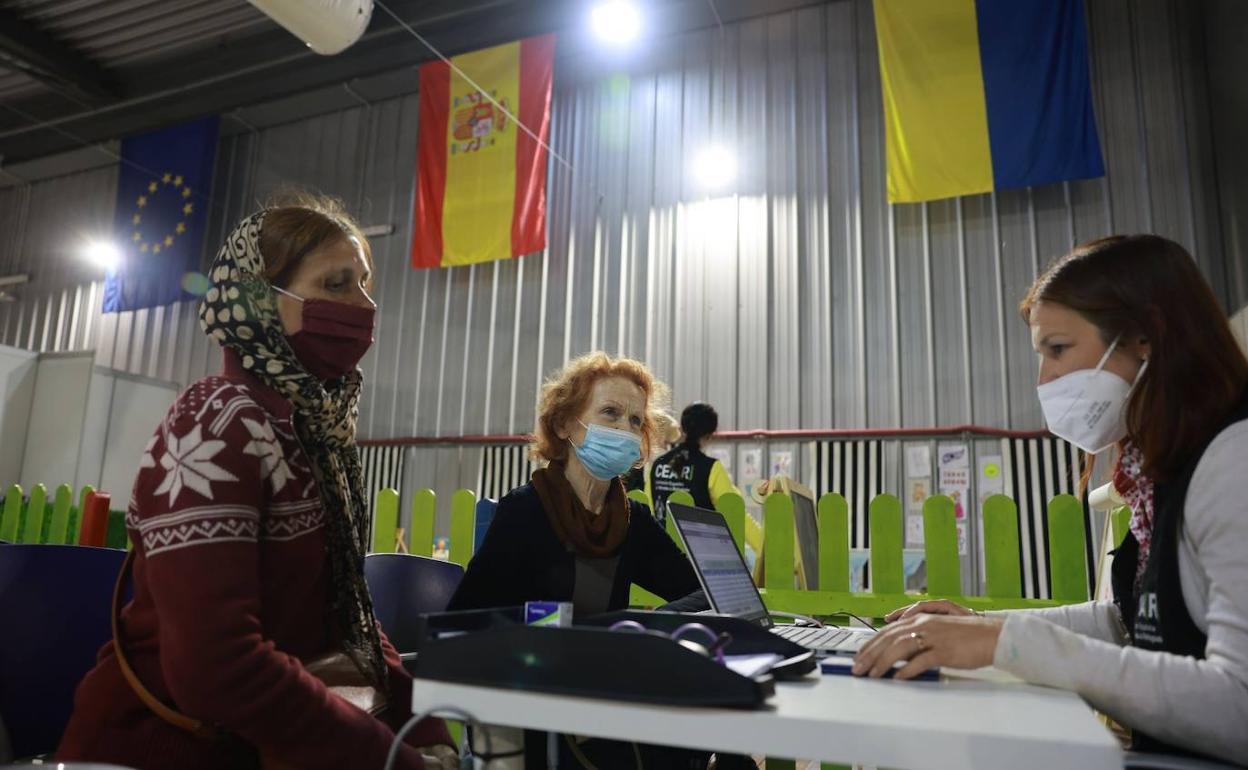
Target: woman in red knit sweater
x,y
249,526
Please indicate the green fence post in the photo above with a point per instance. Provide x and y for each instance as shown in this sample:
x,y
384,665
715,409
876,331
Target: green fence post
x,y
940,544
1003,577
640,496
75,514
12,514
833,543
116,535
732,507
887,573
463,525
386,521
1068,569
424,512
778,537
683,498
58,530
36,510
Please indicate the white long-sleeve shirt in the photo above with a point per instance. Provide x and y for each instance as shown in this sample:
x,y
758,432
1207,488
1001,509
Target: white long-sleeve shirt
x,y
1197,704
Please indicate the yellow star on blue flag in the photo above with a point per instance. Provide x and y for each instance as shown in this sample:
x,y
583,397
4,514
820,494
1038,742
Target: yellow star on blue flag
x,y
161,186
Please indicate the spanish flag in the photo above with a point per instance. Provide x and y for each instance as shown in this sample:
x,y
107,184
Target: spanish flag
x,y
984,95
480,178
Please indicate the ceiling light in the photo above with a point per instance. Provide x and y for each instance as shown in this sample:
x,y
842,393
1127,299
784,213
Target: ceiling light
x,y
714,167
616,22
102,254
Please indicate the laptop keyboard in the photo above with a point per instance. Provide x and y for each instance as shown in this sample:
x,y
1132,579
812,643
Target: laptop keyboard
x,y
825,638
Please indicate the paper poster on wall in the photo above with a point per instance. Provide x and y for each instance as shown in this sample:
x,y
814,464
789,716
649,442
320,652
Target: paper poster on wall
x,y
723,454
442,548
918,461
991,477
782,463
917,492
955,475
751,473
962,540
914,530
953,456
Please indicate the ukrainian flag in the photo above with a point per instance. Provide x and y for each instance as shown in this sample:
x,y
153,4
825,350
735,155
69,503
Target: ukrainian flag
x,y
984,95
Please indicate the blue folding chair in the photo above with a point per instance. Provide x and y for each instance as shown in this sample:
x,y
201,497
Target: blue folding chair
x,y
403,587
55,602
485,515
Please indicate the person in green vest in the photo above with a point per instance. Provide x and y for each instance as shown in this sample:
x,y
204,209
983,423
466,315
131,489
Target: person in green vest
x,y
686,467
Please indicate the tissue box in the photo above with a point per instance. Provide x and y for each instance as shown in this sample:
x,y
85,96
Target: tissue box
x,y
558,614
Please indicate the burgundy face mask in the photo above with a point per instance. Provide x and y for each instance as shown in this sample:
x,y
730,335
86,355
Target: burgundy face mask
x,y
334,337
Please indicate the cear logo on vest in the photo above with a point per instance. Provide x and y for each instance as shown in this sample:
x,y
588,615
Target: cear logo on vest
x,y
668,473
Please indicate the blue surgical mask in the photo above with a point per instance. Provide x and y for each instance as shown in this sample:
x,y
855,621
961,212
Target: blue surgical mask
x,y
607,452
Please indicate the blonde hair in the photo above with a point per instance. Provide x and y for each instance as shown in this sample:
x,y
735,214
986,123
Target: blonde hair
x,y
567,391
668,428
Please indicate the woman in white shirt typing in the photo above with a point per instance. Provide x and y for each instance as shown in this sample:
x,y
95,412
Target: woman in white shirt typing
x,y
1137,356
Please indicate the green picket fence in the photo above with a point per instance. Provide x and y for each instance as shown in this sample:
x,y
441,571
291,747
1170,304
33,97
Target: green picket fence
x,y
34,519
37,519
1068,569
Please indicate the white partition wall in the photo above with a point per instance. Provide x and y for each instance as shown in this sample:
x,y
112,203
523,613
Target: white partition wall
x,y
68,421
136,406
57,413
95,429
17,390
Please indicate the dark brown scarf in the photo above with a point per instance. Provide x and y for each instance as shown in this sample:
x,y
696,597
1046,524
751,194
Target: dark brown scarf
x,y
586,533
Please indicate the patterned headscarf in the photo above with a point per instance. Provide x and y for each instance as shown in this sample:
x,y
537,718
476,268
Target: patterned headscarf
x,y
240,312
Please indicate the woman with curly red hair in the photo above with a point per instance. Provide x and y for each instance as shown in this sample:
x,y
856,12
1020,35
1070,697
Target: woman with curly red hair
x,y
571,534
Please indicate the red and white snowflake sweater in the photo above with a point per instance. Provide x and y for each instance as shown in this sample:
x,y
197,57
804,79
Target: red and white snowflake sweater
x,y
230,585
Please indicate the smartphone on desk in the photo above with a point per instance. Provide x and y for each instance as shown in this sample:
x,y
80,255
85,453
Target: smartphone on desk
x,y
844,666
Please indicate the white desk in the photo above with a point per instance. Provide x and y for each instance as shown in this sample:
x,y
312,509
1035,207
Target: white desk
x,y
949,725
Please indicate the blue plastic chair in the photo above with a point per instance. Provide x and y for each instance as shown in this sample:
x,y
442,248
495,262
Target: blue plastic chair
x,y
485,515
55,601
403,587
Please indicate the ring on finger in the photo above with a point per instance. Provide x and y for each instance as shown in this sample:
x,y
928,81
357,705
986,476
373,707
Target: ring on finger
x,y
917,636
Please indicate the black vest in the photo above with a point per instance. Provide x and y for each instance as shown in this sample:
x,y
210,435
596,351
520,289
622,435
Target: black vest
x,y
683,469
1157,617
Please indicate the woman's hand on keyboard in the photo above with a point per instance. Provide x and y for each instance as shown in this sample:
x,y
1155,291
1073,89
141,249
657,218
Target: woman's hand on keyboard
x,y
929,640
930,607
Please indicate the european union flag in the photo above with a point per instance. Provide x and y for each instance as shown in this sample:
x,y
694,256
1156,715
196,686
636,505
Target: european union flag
x,y
162,196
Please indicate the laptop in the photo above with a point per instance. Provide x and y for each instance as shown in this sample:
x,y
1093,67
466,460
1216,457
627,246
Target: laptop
x,y
731,591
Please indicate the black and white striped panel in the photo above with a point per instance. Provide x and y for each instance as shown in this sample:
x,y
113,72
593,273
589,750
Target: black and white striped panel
x,y
383,468
1039,470
855,470
503,468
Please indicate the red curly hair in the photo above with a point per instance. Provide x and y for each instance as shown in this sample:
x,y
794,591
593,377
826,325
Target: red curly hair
x,y
566,393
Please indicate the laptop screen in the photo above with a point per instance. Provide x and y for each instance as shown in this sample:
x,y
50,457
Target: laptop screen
x,y
807,537
719,564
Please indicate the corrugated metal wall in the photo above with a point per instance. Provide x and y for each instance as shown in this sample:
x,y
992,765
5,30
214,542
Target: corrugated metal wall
x,y
802,300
